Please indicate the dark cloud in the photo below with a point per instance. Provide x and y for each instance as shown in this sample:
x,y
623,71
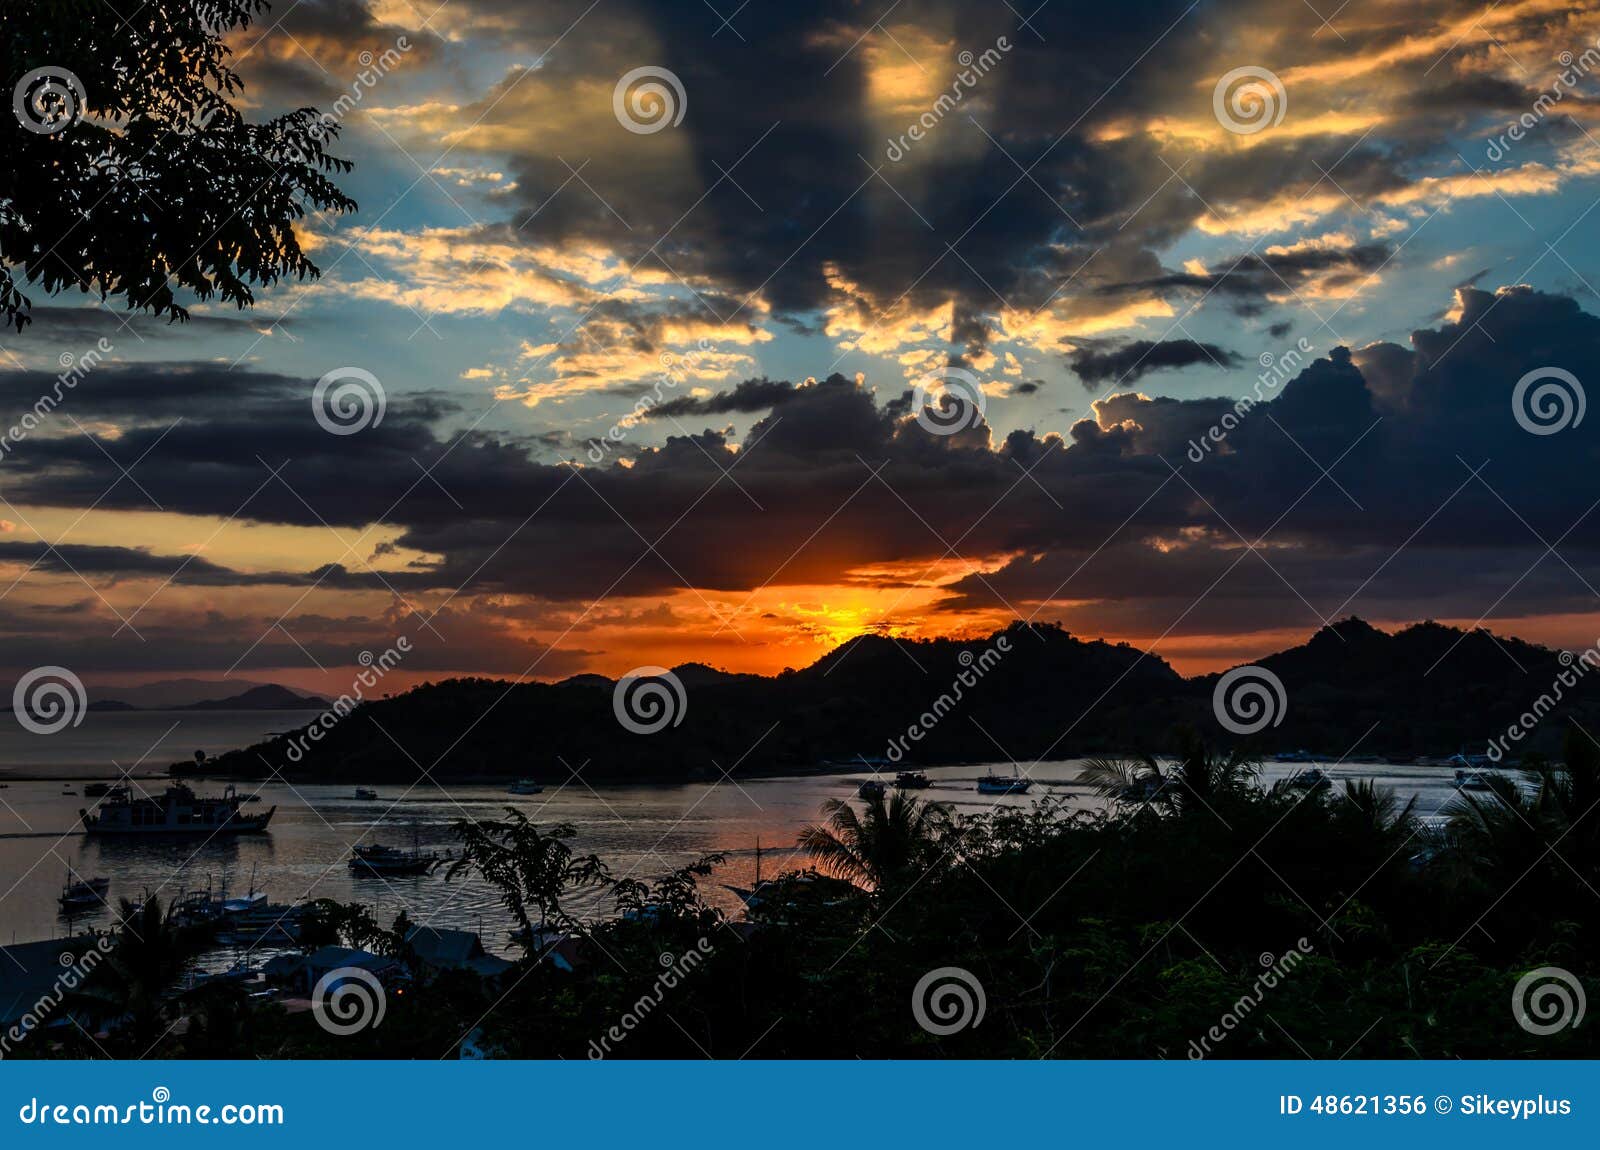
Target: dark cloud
x,y
1246,280
1129,362
751,395
833,480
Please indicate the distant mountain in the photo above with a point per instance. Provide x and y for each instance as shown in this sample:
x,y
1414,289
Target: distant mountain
x,y
267,697
169,694
1028,692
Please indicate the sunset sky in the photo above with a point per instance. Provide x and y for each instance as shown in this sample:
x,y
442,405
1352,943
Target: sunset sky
x,y
1096,232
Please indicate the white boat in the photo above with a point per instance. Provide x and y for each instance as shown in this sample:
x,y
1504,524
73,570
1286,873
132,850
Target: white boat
x,y
524,787
1013,784
244,904
177,812
273,924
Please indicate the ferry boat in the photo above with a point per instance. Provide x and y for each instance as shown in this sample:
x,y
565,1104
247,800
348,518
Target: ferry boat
x,y
177,812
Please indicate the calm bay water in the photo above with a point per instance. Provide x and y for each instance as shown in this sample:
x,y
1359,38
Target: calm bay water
x,y
641,831
109,743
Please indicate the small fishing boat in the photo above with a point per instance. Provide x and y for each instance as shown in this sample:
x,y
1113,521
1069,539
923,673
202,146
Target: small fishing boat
x,y
192,908
871,789
1013,784
366,793
381,860
524,787
911,781
83,894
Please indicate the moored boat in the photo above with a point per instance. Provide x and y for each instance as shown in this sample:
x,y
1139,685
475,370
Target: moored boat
x,y
993,784
83,894
871,789
179,811
380,859
911,781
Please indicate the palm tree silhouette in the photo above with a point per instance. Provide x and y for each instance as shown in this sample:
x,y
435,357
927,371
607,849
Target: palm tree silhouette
x,y
890,842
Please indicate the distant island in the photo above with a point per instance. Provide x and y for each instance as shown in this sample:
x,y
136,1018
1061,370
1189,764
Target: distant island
x,y
256,697
1351,689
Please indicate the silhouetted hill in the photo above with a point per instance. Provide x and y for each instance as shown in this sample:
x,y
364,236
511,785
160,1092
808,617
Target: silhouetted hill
x,y
170,694
1028,692
267,697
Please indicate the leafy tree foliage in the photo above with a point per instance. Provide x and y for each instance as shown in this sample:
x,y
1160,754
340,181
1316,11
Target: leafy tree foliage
x,y
130,173
1142,930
